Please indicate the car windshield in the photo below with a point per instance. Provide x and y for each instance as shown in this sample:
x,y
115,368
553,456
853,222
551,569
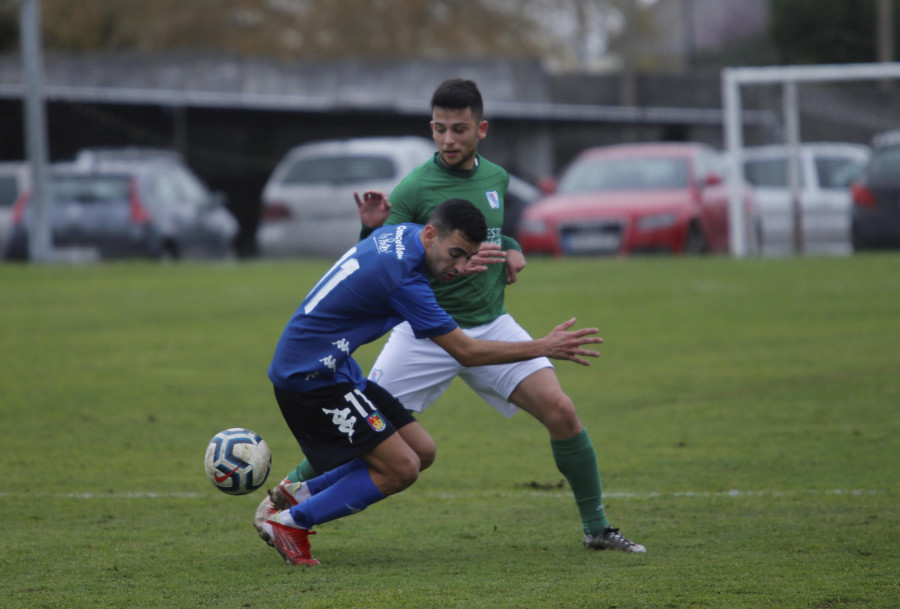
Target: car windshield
x,y
340,169
885,167
768,173
591,175
89,189
837,172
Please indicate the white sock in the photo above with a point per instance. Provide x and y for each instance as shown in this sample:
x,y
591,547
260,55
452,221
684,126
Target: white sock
x,y
284,517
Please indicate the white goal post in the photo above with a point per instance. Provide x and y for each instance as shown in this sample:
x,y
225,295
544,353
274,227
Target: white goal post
x,y
788,77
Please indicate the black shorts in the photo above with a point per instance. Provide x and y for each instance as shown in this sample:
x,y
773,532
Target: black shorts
x,y
337,423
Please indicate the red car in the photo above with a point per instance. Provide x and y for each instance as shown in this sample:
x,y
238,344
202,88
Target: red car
x,y
633,198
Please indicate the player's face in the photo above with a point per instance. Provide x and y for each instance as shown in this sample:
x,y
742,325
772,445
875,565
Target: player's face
x,y
456,134
447,257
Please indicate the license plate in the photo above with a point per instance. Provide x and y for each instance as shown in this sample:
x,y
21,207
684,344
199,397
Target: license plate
x,y
76,255
592,242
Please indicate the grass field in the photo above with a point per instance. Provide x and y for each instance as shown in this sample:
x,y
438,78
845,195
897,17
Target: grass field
x,y
745,415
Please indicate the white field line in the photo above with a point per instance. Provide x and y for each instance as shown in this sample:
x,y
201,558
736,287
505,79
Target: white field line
x,y
734,493
102,495
555,493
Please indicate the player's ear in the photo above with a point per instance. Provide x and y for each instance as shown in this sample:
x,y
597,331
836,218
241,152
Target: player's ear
x,y
482,129
429,235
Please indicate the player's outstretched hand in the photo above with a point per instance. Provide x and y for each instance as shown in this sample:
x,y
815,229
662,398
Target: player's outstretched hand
x,y
565,344
374,208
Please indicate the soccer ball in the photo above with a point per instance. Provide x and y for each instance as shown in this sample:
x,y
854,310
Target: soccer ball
x,y
237,461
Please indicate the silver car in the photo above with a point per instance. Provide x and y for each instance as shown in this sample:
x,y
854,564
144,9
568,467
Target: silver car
x,y
826,171
308,207
126,208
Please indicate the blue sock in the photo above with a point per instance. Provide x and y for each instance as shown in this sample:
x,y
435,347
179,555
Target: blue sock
x,y
320,483
352,493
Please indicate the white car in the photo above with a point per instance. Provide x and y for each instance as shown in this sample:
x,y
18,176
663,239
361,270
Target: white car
x,y
308,207
826,171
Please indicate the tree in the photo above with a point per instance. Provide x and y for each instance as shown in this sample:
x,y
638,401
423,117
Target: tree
x,y
570,33
817,32
9,26
289,29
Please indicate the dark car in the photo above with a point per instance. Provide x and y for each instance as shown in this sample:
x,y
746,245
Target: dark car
x,y
875,220
519,196
13,182
633,198
152,209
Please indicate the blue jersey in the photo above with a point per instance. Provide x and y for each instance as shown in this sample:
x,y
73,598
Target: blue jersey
x,y
374,286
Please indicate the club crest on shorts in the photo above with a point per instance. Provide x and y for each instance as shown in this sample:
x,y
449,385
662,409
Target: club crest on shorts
x,y
376,421
493,198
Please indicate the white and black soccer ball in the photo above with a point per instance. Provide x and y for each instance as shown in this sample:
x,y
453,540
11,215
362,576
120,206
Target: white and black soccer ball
x,y
237,461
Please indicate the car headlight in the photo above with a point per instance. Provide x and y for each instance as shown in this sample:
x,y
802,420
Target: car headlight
x,y
656,222
534,226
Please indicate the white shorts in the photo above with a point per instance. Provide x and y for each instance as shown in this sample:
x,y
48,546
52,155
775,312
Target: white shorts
x,y
417,372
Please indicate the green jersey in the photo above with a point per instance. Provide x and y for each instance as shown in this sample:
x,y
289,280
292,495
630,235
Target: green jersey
x,y
473,300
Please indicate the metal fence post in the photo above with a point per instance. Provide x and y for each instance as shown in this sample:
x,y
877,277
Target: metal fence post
x,y
40,248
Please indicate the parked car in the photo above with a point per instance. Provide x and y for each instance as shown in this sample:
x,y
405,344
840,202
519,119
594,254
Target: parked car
x,y
875,219
13,182
307,204
519,196
128,208
128,153
825,172
633,198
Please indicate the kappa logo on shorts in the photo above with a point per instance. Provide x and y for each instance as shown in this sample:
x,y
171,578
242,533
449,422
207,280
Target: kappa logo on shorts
x,y
376,421
342,419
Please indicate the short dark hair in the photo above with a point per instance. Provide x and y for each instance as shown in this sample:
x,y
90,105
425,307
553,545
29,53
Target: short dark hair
x,y
461,215
459,94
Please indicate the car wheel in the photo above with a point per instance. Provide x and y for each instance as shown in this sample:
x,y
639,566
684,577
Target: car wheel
x,y
17,248
856,239
695,242
170,251
756,246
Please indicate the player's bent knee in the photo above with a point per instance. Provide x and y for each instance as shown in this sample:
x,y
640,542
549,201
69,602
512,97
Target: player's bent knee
x,y
402,474
560,417
420,442
427,454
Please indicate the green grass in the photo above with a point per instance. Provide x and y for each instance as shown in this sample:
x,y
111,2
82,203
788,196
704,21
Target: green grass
x,y
744,414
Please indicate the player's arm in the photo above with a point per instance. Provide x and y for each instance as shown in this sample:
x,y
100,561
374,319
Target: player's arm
x,y
560,343
515,262
509,243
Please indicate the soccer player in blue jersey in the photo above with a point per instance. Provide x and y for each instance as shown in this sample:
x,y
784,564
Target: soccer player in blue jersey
x,y
367,442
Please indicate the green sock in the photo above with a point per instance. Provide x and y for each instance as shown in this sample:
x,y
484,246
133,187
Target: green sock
x,y
576,460
302,472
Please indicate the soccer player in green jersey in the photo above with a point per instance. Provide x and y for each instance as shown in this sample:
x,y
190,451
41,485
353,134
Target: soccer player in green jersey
x,y
417,371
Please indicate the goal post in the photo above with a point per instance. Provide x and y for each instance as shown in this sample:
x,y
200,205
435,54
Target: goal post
x,y
788,77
